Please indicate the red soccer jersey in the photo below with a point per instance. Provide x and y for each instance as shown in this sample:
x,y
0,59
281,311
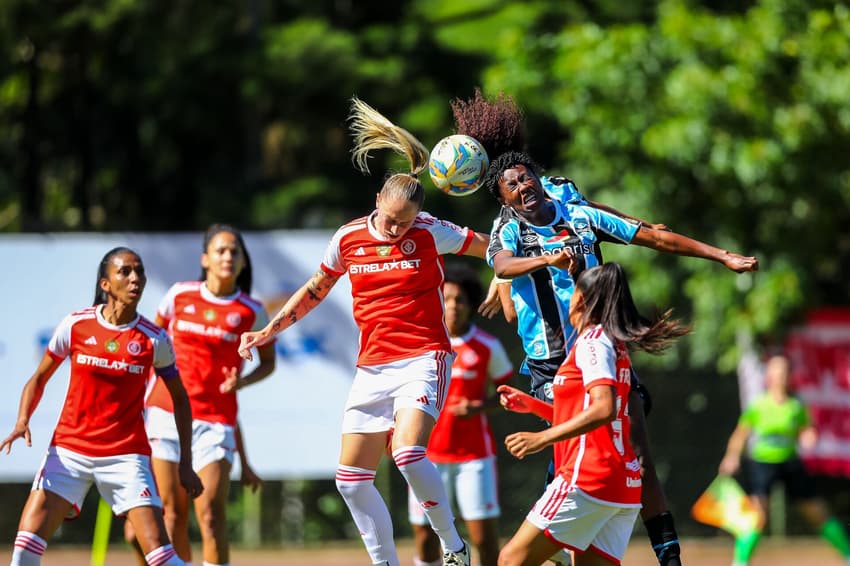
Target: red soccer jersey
x,y
396,287
205,330
480,359
102,415
600,463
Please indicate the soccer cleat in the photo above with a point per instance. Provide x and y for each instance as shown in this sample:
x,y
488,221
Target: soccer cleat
x,y
459,558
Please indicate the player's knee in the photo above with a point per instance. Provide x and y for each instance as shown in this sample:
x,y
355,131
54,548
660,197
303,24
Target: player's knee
x,y
209,521
349,489
509,556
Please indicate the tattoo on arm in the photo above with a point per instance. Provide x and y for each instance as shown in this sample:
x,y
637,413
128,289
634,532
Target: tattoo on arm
x,y
316,289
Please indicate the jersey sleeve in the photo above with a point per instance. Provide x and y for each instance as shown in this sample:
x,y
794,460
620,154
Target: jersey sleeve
x,y
332,262
562,189
164,360
60,343
596,358
610,226
748,416
165,310
500,368
449,238
504,236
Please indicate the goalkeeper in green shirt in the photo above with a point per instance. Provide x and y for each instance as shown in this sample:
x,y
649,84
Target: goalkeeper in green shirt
x,y
778,423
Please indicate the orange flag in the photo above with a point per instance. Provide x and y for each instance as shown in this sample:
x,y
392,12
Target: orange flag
x,y
725,505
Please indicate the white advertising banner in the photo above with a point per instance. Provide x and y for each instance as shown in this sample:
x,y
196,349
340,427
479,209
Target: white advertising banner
x,y
291,420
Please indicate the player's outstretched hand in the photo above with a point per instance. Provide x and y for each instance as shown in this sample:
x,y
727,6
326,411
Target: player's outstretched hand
x,y
250,340
521,444
513,399
739,263
20,431
190,480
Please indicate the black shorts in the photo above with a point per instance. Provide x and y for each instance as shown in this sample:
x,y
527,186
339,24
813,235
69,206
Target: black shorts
x,y
542,373
798,483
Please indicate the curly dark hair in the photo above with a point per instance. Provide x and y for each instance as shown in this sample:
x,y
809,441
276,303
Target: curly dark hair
x,y
498,124
501,164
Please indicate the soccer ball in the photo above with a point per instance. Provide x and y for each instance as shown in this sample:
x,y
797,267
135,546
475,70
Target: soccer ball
x,y
457,165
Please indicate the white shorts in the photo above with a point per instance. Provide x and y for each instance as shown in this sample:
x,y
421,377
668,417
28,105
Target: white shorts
x,y
377,392
124,481
211,442
572,519
471,485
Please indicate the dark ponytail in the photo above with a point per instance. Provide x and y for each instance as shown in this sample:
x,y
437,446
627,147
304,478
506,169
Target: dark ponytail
x,y
607,300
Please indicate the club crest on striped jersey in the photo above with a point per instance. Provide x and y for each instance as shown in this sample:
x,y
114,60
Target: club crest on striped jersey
x,y
134,347
408,247
233,319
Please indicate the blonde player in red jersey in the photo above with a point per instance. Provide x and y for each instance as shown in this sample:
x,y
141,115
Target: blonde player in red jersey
x,y
593,502
393,258
205,319
100,437
462,444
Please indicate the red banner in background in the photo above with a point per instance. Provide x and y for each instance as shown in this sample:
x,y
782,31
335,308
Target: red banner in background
x,y
819,352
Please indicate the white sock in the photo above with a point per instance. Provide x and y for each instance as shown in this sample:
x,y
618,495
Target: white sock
x,y
165,555
370,513
424,480
28,549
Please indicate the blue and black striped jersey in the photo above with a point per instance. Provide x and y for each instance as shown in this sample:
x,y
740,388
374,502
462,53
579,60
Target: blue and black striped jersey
x,y
543,315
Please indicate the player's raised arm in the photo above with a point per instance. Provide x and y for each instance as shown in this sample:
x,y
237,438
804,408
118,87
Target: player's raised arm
x,y
299,304
671,242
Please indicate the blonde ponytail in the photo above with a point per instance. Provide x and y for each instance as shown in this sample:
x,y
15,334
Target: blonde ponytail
x,y
372,130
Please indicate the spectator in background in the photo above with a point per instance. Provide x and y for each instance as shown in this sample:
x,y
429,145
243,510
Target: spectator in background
x,y
462,444
775,423
100,437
